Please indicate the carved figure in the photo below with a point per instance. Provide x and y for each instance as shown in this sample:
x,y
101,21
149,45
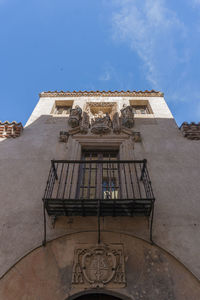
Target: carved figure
x,y
101,123
75,116
127,116
85,123
116,123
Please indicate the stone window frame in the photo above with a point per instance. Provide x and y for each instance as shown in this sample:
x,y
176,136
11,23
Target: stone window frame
x,y
107,142
107,107
62,103
77,143
139,104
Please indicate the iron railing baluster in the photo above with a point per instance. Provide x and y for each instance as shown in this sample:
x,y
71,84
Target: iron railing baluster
x,y
72,175
60,180
137,179
54,169
126,187
128,178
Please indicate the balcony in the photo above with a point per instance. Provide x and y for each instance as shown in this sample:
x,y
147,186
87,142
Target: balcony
x,y
99,188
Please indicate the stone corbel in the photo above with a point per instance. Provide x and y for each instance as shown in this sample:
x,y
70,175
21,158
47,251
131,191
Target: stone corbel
x,y
74,130
127,131
135,135
64,135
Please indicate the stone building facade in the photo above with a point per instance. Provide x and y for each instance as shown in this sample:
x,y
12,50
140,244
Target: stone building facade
x,y
100,200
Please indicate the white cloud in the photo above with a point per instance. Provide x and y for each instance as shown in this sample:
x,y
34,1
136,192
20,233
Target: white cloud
x,y
196,2
105,76
151,30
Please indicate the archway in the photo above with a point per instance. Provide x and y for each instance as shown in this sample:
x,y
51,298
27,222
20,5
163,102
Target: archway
x,y
98,296
148,270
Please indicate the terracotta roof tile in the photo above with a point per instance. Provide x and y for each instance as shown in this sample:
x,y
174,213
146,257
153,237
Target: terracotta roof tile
x,y
128,93
191,130
10,129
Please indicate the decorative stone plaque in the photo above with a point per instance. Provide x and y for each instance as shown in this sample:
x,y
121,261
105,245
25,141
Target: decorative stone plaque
x,y
101,123
99,266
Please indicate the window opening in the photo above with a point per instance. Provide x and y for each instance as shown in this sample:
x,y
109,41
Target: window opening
x,y
62,110
98,179
98,185
140,109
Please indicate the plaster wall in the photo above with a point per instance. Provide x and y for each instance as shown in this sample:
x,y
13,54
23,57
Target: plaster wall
x,y
151,273
173,164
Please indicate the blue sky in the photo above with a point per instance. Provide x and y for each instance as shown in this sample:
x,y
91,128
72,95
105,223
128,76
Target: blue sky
x,y
99,45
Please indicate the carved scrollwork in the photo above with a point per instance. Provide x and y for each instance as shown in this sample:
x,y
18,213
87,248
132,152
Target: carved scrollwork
x,y
98,266
101,123
100,118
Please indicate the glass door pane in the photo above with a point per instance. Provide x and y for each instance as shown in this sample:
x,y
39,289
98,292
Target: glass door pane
x,y
98,180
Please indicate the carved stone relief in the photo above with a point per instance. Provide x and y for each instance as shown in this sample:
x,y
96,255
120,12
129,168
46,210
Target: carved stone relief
x,y
101,118
75,116
127,116
85,123
99,266
116,123
101,123
64,135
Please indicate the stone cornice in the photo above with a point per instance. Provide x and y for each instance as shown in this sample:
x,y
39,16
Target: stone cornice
x,y
191,130
10,129
146,93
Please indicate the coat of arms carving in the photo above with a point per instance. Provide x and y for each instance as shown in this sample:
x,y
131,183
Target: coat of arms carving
x,y
98,266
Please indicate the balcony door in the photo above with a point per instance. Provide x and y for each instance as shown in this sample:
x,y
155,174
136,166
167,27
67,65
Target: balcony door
x,y
98,175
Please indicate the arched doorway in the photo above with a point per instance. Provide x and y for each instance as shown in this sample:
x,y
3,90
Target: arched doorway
x,y
97,297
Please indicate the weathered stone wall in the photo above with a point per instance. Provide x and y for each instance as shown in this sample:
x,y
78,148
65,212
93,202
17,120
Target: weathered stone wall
x,y
173,164
150,273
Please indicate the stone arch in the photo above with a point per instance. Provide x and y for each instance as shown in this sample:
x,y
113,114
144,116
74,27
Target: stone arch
x,y
46,272
109,295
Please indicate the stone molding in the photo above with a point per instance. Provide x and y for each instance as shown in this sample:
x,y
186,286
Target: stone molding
x,y
99,265
135,135
191,130
10,129
145,93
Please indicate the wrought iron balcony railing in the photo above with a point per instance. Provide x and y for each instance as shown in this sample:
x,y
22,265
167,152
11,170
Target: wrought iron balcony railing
x,y
99,188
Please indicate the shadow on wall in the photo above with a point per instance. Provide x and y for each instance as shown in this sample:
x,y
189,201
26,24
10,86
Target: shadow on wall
x,y
173,161
150,273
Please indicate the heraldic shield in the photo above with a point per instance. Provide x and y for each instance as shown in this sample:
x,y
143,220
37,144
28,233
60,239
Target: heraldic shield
x,y
98,266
